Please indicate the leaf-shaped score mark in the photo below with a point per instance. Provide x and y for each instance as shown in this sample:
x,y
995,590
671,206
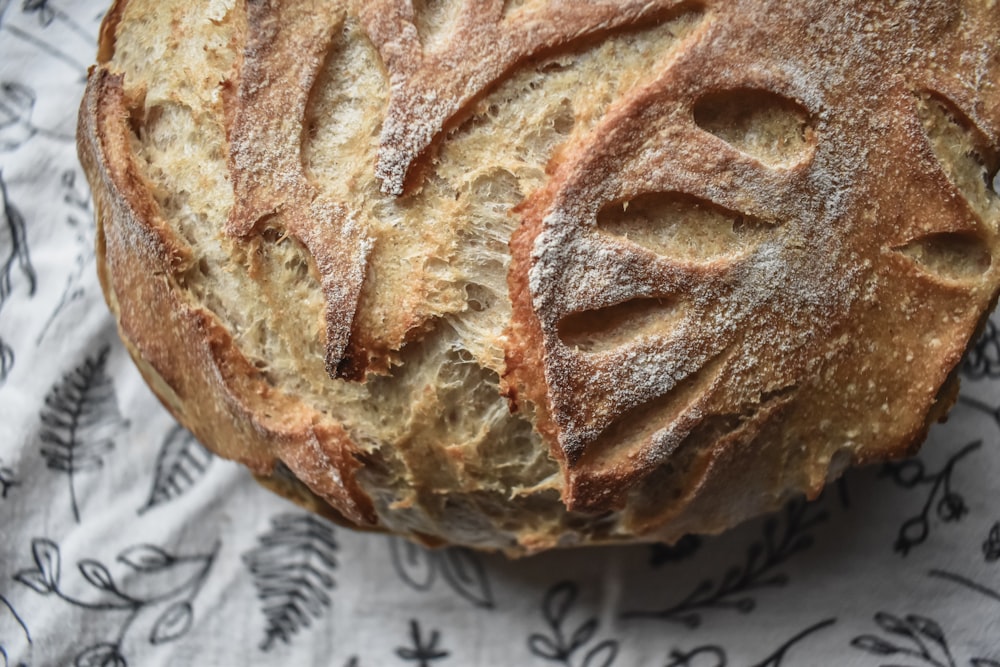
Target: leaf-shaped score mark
x,y
17,101
101,655
422,105
461,569
173,623
771,128
146,558
182,461
952,256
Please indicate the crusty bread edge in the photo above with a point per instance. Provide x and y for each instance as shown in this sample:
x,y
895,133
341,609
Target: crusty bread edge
x,y
184,353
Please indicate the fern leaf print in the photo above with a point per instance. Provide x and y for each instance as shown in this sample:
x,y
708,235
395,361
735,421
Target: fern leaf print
x,y
182,461
293,572
80,421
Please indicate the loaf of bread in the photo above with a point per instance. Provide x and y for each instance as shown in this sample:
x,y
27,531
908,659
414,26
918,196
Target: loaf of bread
x,y
518,274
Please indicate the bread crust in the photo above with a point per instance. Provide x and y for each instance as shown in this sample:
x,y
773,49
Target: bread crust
x,y
187,358
686,370
847,262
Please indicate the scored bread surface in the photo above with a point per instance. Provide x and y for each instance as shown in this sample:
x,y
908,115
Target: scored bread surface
x,y
522,274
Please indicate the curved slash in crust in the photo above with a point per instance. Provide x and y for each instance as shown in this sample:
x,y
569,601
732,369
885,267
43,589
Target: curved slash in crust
x,y
287,44
182,350
428,88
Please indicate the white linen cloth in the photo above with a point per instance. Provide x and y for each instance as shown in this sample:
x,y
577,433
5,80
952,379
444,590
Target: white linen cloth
x,y
124,542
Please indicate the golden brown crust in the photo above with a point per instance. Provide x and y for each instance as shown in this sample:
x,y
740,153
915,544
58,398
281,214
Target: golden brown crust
x,y
287,43
750,265
779,314
432,83
184,351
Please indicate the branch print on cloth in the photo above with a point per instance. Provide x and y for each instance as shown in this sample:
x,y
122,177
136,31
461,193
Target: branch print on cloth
x,y
570,647
763,557
948,504
171,597
715,656
915,639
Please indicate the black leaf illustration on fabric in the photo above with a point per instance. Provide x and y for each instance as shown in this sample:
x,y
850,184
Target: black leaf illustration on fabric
x,y
146,558
683,549
732,590
565,647
462,569
182,461
14,257
97,575
101,655
8,480
172,596
174,622
991,547
715,656
422,651
80,421
983,358
911,638
942,499
292,570
44,578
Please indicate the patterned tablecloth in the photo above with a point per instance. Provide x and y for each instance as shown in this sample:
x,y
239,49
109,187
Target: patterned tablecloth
x,y
124,542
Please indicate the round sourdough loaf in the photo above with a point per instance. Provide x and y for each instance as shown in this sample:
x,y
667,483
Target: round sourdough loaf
x,y
519,274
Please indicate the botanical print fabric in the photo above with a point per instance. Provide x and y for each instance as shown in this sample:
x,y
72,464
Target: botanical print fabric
x,y
123,541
